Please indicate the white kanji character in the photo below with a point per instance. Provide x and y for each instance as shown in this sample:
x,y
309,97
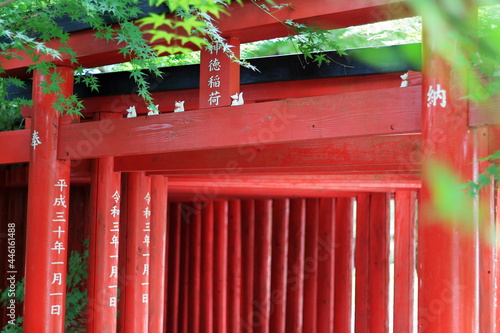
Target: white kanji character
x,y
58,231
214,65
35,140
145,269
214,98
148,198
144,298
114,241
116,196
57,279
55,310
61,201
214,81
114,271
61,183
112,301
146,240
115,211
58,246
147,212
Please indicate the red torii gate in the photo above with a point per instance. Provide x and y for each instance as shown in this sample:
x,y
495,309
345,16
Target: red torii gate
x,y
262,150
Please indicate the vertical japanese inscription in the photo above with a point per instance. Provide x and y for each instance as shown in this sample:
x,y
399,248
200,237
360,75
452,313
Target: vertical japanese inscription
x,y
58,248
114,229
145,249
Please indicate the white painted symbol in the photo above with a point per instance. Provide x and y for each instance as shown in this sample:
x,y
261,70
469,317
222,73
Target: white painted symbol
x,y
57,279
214,81
55,310
434,95
35,140
115,211
214,98
116,196
58,246
61,184
61,201
214,65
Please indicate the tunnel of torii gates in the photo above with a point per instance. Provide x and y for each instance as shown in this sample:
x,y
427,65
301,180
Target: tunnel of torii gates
x,y
253,217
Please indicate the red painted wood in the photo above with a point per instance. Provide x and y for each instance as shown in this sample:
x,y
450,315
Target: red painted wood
x,y
404,260
18,149
311,265
138,251
326,265
207,267
447,249
183,317
254,93
387,111
219,76
174,267
194,282
496,271
379,262
220,265
381,154
247,264
234,267
279,265
158,258
47,218
372,263
249,24
246,22
281,185
103,249
262,266
296,272
487,240
122,251
344,264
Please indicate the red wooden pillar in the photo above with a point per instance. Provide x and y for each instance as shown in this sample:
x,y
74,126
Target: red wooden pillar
x,y
174,267
311,265
207,267
104,241
447,265
404,260
136,293
183,317
220,265
326,265
247,264
296,259
488,320
344,262
234,268
279,265
372,263
47,218
194,268
158,258
219,76
262,266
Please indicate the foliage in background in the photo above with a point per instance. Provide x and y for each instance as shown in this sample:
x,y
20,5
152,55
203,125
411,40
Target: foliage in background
x,y
28,25
76,295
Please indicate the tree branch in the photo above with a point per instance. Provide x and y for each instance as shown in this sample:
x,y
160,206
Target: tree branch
x,y
6,3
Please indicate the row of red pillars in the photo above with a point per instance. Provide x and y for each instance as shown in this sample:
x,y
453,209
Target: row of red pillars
x,y
142,228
